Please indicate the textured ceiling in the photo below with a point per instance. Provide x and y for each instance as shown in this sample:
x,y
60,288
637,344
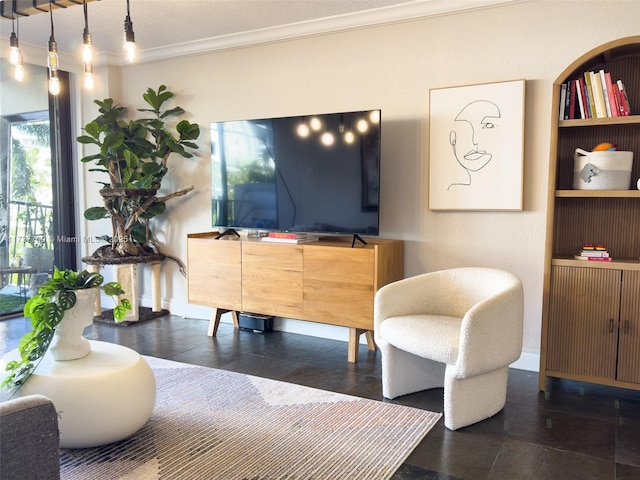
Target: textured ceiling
x,y
191,24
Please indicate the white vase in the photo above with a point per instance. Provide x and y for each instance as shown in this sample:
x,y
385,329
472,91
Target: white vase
x,y
68,342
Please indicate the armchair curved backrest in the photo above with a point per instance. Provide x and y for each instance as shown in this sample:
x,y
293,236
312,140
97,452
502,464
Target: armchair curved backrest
x,y
474,315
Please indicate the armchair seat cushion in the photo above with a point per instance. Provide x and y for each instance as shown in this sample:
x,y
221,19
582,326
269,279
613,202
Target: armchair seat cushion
x,y
429,336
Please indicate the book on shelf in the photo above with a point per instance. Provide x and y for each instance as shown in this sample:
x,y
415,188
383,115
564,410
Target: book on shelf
x,y
598,95
581,98
614,110
572,100
593,95
288,235
592,259
605,92
563,102
307,239
590,100
590,253
624,100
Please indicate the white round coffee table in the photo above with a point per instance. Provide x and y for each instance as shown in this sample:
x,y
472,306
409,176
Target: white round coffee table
x,y
101,398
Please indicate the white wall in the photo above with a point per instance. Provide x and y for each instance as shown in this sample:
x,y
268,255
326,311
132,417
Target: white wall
x,y
392,67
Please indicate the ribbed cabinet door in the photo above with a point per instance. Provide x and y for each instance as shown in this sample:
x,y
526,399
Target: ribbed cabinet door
x,y
629,349
583,321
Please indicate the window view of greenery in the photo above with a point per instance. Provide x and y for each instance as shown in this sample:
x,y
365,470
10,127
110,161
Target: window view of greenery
x,y
27,232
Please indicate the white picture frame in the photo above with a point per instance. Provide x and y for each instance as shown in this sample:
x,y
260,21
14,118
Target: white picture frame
x,y
476,147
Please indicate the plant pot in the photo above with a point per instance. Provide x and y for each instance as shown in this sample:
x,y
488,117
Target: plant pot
x,y
68,342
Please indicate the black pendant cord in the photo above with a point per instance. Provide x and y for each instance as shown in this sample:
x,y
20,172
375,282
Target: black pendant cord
x,y
86,16
51,18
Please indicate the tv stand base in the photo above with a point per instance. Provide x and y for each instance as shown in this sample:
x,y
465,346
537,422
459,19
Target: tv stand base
x,y
359,238
354,333
228,231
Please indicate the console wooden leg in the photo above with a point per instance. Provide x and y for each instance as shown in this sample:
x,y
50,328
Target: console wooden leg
x,y
352,355
354,342
216,313
371,343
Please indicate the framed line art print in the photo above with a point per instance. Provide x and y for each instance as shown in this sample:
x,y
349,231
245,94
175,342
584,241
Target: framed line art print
x,y
476,147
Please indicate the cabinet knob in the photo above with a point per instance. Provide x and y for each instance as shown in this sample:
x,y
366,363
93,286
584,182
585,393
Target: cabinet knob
x,y
611,325
627,327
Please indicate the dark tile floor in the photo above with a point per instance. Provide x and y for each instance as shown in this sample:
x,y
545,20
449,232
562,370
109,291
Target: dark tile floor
x,y
572,431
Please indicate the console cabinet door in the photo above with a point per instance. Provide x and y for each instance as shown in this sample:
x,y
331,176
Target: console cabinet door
x,y
629,349
272,279
214,273
583,321
339,285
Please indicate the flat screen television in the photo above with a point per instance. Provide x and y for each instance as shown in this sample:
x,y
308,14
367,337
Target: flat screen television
x,y
314,174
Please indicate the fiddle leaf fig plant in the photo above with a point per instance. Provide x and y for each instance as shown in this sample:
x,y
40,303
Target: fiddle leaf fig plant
x,y
134,154
47,309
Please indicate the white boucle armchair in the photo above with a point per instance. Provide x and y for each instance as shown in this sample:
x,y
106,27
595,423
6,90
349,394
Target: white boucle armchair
x,y
458,329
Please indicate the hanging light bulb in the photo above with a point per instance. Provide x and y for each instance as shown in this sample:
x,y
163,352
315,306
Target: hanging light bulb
x,y
18,73
129,36
14,48
88,76
15,55
87,51
327,139
54,82
303,130
14,51
52,59
349,137
362,125
346,132
315,123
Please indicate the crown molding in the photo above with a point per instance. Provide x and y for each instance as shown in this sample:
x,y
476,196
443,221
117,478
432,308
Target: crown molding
x,y
405,12
386,15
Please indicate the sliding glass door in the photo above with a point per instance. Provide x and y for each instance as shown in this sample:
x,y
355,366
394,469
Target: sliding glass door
x,y
36,187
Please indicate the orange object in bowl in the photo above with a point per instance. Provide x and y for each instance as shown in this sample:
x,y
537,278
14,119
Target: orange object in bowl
x,y
604,146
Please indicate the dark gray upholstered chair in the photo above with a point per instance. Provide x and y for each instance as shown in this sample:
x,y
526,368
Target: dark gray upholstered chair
x,y
29,439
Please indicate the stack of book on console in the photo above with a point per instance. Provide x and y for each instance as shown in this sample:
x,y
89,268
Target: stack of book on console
x,y
289,237
594,253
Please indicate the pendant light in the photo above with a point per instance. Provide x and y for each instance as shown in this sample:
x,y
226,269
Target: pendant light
x,y
14,49
129,36
18,73
87,53
52,59
15,55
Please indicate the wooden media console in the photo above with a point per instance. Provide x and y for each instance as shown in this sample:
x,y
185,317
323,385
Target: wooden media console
x,y
325,281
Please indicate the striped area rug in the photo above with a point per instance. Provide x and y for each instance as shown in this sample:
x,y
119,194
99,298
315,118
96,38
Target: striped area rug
x,y
212,424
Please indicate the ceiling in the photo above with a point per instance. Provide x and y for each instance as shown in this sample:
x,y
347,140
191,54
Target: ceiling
x,y
165,28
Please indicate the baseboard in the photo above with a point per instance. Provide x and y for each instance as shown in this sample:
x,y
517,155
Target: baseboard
x,y
527,361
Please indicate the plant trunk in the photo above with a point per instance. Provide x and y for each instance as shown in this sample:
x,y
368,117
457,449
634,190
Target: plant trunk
x,y
122,204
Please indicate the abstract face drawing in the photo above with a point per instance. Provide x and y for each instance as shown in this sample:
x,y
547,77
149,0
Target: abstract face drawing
x,y
473,138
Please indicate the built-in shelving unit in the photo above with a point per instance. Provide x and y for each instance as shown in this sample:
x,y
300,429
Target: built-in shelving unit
x,y
591,310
